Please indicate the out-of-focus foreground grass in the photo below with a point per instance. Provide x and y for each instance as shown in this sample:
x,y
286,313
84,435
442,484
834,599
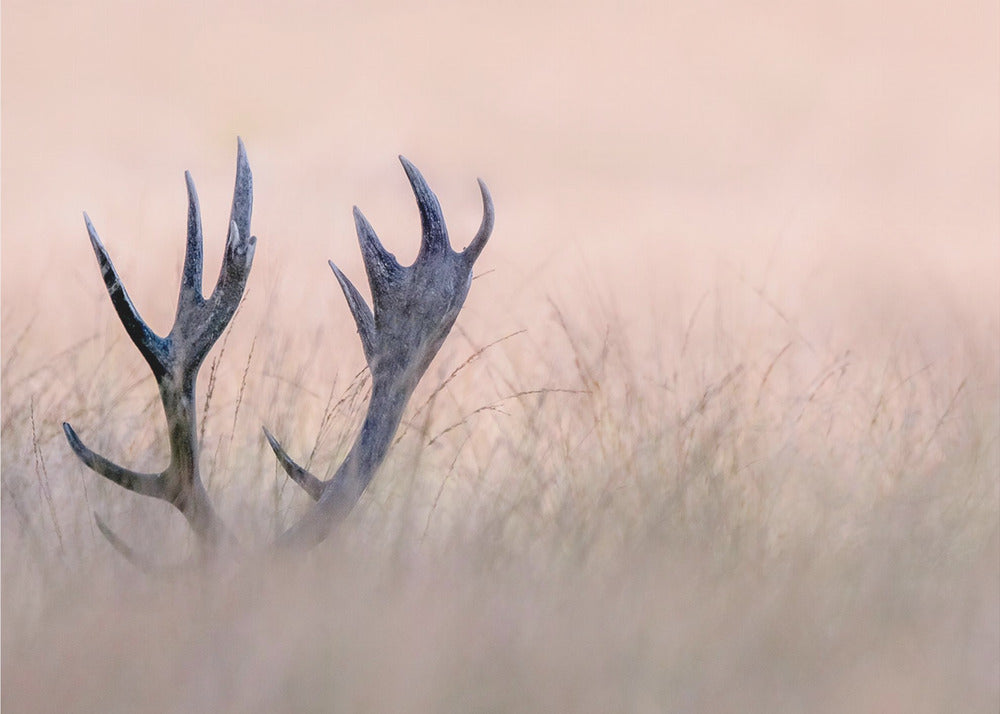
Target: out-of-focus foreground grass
x,y
718,428
725,523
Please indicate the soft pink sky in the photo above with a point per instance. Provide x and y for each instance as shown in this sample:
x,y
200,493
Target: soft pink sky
x,y
843,156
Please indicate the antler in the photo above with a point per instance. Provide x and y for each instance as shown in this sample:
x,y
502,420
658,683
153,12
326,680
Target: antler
x,y
414,309
175,359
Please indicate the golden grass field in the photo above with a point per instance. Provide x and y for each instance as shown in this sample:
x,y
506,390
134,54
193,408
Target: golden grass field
x,y
738,451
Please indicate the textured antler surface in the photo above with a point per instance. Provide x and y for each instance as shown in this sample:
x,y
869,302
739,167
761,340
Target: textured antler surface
x,y
176,358
414,308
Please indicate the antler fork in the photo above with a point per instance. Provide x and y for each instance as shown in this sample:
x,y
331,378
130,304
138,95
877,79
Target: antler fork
x,y
175,359
414,309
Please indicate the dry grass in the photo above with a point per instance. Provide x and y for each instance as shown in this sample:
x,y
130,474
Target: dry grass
x,y
718,430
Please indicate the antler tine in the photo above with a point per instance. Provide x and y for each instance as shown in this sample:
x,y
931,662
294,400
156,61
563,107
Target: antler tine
x,y
237,260
435,233
191,274
359,309
151,346
175,360
384,271
474,248
312,485
137,560
124,549
145,484
242,191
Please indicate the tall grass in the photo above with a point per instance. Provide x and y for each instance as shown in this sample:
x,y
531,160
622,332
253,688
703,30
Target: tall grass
x,y
594,514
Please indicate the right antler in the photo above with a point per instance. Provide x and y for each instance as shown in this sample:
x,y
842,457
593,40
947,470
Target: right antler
x,y
175,359
415,307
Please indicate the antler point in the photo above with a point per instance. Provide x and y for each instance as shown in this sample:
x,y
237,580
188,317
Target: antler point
x,y
70,434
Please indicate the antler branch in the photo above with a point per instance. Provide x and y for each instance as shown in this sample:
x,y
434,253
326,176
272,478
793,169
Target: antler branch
x,y
414,309
176,358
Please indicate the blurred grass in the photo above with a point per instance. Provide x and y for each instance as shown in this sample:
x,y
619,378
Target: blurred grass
x,y
728,437
723,530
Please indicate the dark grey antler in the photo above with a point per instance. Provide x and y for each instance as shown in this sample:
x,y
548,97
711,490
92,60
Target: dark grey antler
x,y
414,309
175,359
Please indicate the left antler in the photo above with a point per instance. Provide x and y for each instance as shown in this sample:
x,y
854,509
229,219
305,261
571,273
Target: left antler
x,y
175,359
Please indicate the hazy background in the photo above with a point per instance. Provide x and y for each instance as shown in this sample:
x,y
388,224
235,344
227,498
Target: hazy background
x,y
686,195
842,156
